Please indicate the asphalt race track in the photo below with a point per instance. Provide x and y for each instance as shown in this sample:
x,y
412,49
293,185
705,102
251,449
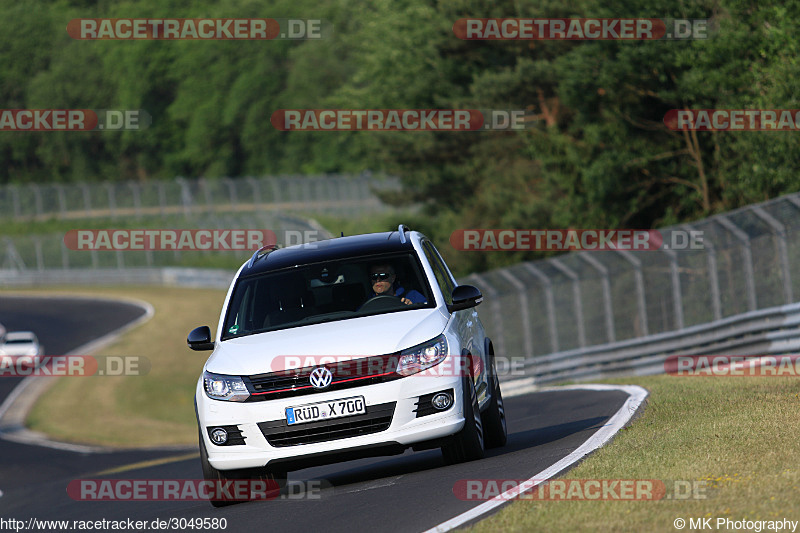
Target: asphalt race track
x,y
61,324
410,492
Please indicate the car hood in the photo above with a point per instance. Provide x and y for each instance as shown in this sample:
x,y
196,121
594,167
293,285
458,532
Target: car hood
x,y
344,339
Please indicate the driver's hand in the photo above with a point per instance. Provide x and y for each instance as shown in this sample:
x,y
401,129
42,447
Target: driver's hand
x,y
406,301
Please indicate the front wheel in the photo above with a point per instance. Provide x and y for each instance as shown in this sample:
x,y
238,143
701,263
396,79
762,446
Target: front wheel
x,y
467,444
275,481
495,415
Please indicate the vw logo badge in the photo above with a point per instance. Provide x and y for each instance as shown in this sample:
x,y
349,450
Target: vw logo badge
x,y
321,377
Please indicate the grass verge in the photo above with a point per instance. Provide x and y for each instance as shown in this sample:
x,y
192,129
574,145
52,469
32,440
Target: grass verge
x,y
150,410
736,436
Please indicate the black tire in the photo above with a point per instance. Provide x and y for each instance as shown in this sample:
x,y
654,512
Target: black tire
x,y
467,444
212,474
494,417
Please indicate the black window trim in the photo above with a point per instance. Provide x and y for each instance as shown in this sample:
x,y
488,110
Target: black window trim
x,y
224,336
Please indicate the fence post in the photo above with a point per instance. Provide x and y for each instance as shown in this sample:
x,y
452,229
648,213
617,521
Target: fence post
x,y
37,245
499,339
162,198
64,255
203,183
549,304
308,195
137,198
608,309
640,298
576,298
186,196
87,199
747,256
677,300
15,200
112,202
62,201
783,250
713,279
256,191
231,191
37,196
275,185
527,341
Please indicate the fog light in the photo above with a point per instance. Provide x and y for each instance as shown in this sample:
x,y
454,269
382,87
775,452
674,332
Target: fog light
x,y
442,401
219,436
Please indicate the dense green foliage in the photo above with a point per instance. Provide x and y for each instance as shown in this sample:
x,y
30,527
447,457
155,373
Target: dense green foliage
x,y
599,155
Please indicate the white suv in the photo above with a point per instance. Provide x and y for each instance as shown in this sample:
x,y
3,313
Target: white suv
x,y
340,349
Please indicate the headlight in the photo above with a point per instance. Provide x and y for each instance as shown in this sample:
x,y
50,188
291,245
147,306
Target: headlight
x,y
423,356
228,388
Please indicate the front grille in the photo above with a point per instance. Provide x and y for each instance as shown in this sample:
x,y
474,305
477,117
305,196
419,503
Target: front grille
x,y
377,418
235,437
346,374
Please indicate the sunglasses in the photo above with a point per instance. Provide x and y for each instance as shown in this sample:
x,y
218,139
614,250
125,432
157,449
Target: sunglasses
x,y
380,276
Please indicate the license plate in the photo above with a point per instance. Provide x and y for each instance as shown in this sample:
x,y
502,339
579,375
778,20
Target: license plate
x,y
314,412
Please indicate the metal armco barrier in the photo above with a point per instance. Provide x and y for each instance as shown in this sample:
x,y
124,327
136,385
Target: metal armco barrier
x,y
765,332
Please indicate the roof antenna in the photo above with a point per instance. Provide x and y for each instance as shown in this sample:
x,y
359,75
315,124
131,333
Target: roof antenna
x,y
342,234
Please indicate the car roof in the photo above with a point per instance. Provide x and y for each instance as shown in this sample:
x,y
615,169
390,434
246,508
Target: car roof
x,y
329,250
20,335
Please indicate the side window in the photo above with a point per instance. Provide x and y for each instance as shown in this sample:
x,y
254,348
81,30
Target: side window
x,y
440,270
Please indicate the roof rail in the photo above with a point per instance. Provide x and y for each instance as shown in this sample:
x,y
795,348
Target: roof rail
x,y
258,255
402,229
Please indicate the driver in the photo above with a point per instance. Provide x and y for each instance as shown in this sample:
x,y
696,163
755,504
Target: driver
x,y
384,283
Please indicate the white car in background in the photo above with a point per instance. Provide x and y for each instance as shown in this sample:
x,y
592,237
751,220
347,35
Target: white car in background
x,y
20,343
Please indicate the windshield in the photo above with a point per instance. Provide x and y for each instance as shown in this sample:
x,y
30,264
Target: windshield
x,y
324,292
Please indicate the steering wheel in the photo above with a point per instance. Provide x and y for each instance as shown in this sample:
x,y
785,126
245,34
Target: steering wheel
x,y
381,302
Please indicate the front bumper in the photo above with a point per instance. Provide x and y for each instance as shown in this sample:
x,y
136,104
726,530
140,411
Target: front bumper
x,y
404,430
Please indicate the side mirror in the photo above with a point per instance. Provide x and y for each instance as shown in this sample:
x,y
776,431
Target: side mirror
x,y
464,297
200,339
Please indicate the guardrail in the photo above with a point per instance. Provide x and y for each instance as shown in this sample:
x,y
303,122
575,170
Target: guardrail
x,y
764,332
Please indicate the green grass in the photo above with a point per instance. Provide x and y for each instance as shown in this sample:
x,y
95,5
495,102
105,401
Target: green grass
x,y
150,410
738,437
